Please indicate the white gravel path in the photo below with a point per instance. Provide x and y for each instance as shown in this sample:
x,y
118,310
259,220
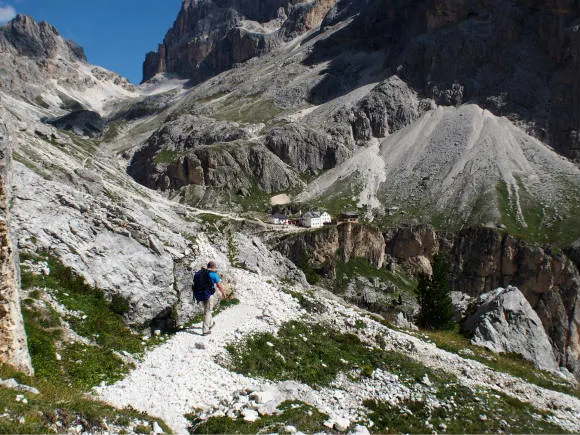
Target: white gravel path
x,y
177,377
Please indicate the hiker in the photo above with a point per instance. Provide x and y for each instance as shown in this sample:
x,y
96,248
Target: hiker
x,y
204,283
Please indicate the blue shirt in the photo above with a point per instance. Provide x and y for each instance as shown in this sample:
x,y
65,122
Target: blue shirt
x,y
215,278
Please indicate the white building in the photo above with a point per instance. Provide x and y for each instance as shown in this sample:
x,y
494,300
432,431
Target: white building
x,y
315,219
325,218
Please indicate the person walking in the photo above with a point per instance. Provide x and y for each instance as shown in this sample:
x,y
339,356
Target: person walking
x,y
213,281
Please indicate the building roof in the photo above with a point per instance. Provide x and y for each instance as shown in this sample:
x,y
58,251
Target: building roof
x,y
279,216
314,214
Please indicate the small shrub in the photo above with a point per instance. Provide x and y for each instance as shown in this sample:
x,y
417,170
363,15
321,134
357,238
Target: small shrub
x,y
119,305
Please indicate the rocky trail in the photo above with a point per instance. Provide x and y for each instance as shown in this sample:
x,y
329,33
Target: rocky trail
x,y
189,372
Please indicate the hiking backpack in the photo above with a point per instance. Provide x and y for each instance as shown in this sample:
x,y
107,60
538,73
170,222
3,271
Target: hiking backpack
x,y
202,285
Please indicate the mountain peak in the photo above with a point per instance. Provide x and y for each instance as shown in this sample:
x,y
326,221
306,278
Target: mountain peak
x,y
27,37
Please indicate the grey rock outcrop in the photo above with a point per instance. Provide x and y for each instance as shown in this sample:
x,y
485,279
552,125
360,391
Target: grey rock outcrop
x,y
306,149
211,36
196,150
81,122
36,40
41,67
573,252
504,321
13,345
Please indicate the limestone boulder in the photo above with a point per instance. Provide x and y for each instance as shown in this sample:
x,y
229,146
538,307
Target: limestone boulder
x,y
504,321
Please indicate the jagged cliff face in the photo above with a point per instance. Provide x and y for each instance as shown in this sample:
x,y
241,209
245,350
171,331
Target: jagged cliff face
x,y
321,249
483,259
210,36
13,346
472,50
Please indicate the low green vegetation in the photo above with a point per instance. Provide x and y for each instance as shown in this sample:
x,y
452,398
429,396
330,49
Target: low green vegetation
x,y
113,130
58,408
309,304
66,367
342,196
542,222
311,274
233,250
211,98
303,417
395,287
255,199
41,102
166,157
315,354
346,271
514,364
465,411
80,364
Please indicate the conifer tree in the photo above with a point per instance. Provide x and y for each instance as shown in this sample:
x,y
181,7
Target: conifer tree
x,y
434,297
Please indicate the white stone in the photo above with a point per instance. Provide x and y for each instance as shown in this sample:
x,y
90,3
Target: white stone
x,y
27,388
329,424
250,415
263,396
9,383
341,424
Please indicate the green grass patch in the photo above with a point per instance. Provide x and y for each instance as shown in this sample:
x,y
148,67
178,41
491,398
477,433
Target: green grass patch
x,y
466,411
40,102
346,271
543,223
166,157
113,130
65,369
28,163
314,354
309,304
342,196
303,417
514,364
211,98
395,288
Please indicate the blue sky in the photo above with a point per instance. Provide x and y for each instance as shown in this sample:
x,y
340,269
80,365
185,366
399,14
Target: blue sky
x,y
115,34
